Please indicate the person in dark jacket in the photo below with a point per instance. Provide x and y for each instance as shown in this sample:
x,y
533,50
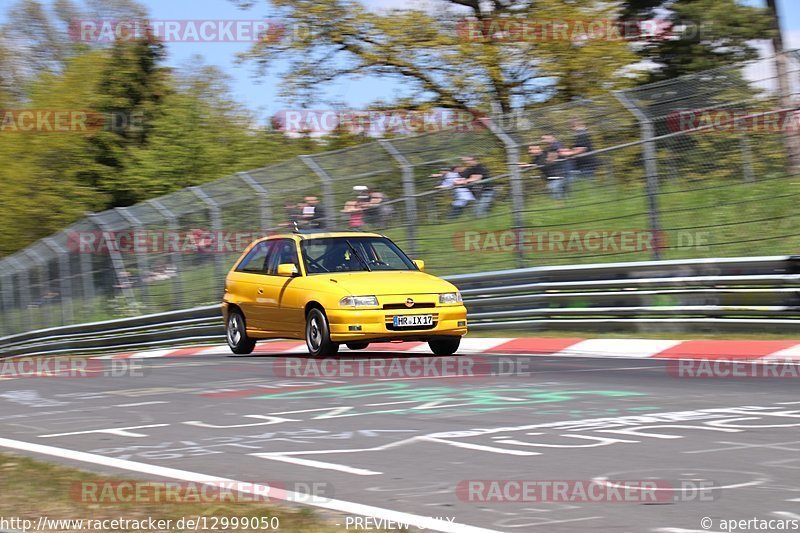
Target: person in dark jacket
x,y
554,166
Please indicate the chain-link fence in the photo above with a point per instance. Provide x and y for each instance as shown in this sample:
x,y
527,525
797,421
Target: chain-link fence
x,y
698,166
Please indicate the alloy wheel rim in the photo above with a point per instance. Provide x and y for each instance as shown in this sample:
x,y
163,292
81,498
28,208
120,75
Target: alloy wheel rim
x,y
314,334
234,333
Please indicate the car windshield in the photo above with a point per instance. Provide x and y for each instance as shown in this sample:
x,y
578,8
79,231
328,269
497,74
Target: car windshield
x,y
353,254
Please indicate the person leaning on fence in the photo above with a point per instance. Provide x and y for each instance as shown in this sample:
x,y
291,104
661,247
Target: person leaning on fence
x,y
584,166
462,196
553,165
293,213
355,212
378,210
475,177
313,213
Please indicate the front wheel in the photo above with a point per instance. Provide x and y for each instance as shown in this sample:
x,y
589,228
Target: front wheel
x,y
236,334
318,335
444,346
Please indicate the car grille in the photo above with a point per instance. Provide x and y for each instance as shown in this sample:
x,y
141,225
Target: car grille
x,y
417,305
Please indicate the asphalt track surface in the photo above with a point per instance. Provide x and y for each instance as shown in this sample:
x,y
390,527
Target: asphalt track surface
x,y
721,449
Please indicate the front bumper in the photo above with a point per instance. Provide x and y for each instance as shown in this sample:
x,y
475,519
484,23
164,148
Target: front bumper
x,y
376,324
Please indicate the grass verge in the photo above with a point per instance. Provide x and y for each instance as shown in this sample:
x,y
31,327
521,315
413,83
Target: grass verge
x,y
32,489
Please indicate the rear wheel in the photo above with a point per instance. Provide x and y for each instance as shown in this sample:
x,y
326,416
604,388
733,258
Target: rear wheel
x,y
236,334
444,346
318,335
357,345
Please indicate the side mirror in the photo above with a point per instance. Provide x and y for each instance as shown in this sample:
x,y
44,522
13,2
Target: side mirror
x,y
287,270
419,263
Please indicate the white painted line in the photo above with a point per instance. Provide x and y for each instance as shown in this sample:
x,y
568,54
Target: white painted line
x,y
479,447
630,348
791,353
222,349
317,464
137,404
184,475
122,432
150,354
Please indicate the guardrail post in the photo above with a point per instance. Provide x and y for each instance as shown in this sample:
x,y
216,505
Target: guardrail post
x,y
651,168
517,194
141,258
174,256
409,194
216,226
7,303
87,279
747,158
44,286
123,281
66,279
327,188
263,194
25,317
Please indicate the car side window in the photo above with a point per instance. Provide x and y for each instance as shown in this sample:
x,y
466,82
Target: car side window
x,y
256,261
285,252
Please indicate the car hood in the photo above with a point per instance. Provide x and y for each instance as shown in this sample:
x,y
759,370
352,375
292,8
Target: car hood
x,y
389,282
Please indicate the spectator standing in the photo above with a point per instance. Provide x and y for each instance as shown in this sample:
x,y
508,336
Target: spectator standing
x,y
476,177
355,212
584,166
293,214
462,196
313,213
554,166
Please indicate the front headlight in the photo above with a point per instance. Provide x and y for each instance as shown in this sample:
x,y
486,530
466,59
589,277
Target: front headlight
x,y
450,298
359,301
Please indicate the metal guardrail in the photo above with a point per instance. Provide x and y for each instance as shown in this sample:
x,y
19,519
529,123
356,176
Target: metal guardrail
x,y
751,293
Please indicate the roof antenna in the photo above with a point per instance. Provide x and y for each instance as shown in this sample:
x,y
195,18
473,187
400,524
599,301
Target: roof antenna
x,y
296,228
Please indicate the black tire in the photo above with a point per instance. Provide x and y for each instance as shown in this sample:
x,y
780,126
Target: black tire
x,y
236,334
357,345
318,335
445,345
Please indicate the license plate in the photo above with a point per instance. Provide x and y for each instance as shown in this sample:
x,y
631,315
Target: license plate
x,y
412,321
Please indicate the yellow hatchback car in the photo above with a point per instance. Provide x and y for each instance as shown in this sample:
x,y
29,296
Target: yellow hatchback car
x,y
333,288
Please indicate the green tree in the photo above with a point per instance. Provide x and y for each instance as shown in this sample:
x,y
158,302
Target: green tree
x,y
131,88
437,60
44,187
717,33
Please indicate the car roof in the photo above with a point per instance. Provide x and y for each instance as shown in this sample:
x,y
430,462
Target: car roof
x,y
306,235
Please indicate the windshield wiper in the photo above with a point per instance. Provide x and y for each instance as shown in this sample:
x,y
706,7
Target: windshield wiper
x,y
358,256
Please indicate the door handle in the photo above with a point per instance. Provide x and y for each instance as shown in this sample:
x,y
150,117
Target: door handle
x,y
260,290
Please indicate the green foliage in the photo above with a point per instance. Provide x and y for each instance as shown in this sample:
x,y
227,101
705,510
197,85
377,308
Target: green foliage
x,y
442,65
718,33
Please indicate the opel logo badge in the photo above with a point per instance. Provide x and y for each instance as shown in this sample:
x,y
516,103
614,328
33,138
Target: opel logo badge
x,y
409,302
